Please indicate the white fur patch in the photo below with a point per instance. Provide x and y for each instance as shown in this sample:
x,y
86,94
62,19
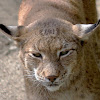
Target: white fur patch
x,y
36,76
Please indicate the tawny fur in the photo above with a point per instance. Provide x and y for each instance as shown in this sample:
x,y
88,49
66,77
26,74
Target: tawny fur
x,y
84,82
49,30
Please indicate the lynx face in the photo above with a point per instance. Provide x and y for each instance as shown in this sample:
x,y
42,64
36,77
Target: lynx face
x,y
51,50
52,63
51,58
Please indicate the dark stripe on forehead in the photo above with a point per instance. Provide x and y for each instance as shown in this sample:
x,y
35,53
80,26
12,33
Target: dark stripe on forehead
x,y
49,31
5,29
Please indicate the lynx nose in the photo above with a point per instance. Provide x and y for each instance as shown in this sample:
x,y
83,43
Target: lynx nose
x,y
52,78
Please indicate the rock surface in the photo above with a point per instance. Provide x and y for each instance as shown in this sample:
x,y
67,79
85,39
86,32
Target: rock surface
x,y
11,77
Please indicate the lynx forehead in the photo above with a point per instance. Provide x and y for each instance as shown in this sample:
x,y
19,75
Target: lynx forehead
x,y
51,26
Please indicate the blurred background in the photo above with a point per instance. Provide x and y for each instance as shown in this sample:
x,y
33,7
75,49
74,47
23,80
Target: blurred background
x,y
11,78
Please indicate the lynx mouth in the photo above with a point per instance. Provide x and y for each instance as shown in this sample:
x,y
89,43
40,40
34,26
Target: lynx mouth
x,y
53,87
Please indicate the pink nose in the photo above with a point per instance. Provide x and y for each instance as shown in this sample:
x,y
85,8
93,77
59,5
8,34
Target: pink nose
x,y
52,78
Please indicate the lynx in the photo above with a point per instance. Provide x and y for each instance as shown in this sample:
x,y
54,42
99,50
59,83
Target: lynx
x,y
59,49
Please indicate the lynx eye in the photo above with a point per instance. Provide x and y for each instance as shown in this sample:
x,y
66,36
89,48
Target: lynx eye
x,y
37,55
65,53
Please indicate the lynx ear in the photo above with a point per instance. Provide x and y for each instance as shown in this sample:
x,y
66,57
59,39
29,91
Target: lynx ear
x,y
86,30
12,31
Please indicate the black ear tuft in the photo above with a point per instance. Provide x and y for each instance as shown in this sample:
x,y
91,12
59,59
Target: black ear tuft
x,y
98,22
92,27
5,29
